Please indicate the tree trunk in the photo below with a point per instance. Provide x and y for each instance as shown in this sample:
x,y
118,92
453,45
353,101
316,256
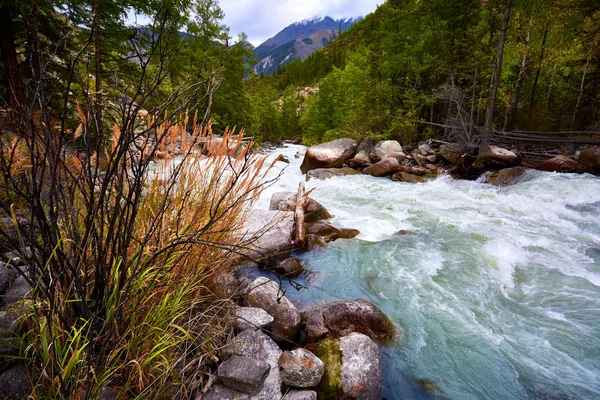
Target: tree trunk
x,y
581,87
514,99
489,112
539,68
16,93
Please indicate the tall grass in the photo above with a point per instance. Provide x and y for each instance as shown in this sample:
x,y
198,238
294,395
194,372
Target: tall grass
x,y
127,255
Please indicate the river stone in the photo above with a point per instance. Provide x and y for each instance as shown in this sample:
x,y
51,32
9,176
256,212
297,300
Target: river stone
x,y
360,160
330,233
562,163
300,368
366,145
271,232
289,268
327,173
266,294
340,318
286,201
425,149
432,158
420,159
506,176
15,383
244,374
258,346
329,155
17,291
361,370
406,177
590,157
452,153
314,242
300,395
504,156
383,168
381,150
252,318
7,276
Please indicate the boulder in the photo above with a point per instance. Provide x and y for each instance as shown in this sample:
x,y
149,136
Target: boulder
x,y
452,153
562,164
366,145
330,233
340,318
431,167
383,168
590,157
329,155
360,160
419,171
506,176
381,150
271,233
432,158
243,374
282,158
420,159
300,395
266,294
406,177
252,318
289,268
300,368
504,156
425,149
327,173
401,157
258,346
7,277
15,383
286,201
18,290
361,368
314,242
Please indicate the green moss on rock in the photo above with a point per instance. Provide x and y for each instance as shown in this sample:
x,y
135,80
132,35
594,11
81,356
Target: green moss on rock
x,y
331,383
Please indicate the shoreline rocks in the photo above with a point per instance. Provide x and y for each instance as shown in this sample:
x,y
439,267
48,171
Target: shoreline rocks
x,y
329,155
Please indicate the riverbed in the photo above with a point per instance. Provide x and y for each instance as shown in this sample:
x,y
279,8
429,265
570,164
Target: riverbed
x,y
496,290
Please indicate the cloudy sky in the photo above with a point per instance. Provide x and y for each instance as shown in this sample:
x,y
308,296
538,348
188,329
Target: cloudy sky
x,y
262,19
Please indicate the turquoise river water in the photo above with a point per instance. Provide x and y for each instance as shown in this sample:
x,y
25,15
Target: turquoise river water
x,y
496,290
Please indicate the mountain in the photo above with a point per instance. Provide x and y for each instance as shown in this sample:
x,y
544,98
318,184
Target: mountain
x,y
298,40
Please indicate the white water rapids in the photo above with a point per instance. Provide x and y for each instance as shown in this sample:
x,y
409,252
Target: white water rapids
x,y
497,290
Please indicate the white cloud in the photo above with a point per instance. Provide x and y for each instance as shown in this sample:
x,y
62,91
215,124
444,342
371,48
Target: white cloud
x,y
263,19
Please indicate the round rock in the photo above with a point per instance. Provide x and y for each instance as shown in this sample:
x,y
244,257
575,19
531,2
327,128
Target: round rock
x,y
301,368
252,318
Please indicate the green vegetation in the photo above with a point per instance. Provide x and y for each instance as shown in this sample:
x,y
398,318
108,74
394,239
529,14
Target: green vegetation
x,y
432,61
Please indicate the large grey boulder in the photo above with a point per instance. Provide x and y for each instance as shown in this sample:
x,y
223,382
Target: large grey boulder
x,y
382,150
340,318
269,233
300,395
266,294
15,383
300,368
328,173
361,370
243,374
252,318
286,201
258,346
384,167
18,290
504,156
329,155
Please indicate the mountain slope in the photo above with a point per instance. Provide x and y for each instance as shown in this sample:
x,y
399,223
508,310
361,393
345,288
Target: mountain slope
x,y
298,40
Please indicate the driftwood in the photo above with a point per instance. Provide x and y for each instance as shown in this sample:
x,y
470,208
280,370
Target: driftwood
x,y
299,217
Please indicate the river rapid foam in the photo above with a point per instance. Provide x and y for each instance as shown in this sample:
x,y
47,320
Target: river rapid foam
x,y
497,290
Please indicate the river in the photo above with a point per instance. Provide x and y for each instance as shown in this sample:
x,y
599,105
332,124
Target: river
x,y
497,290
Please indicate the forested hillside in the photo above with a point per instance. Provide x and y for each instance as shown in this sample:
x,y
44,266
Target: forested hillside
x,y
432,61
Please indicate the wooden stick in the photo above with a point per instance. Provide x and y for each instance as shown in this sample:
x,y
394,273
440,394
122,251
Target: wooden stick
x,y
299,217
